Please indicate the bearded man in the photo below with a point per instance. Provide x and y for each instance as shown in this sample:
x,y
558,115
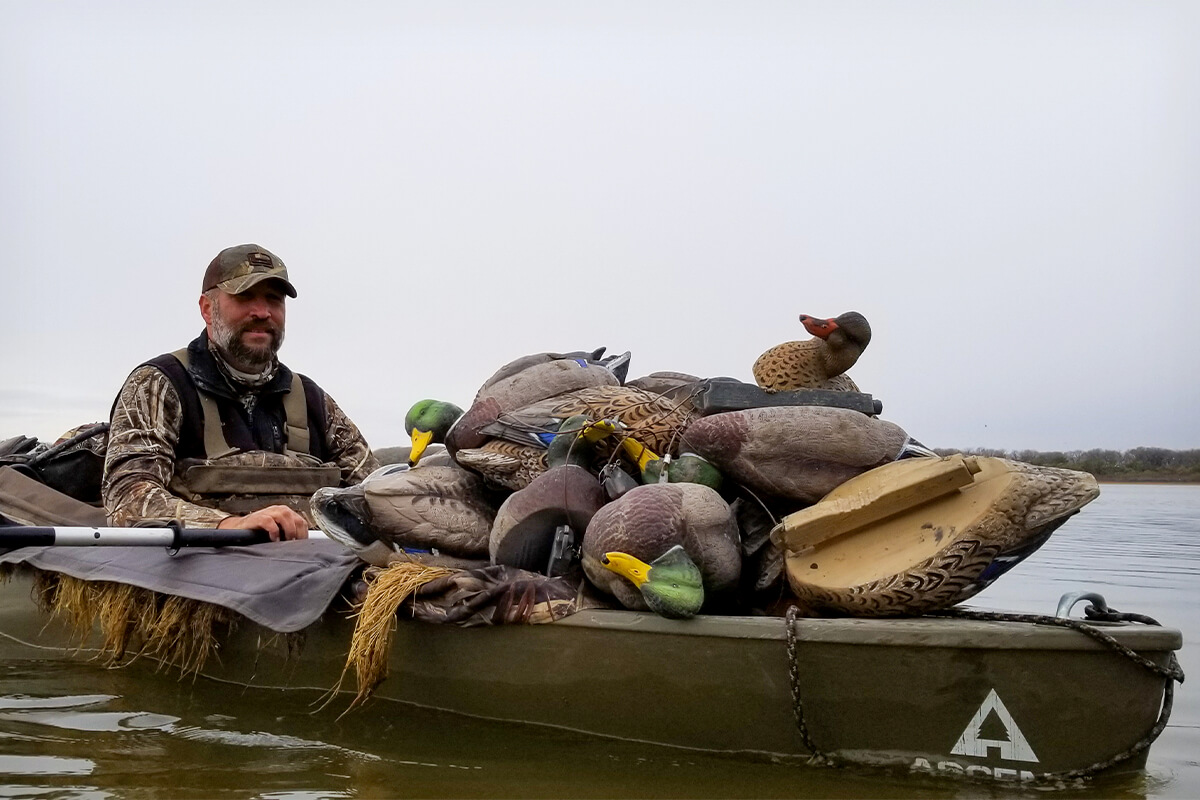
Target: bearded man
x,y
220,433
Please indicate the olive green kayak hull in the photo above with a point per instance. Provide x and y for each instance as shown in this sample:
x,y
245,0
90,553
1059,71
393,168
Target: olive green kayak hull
x,y
1000,700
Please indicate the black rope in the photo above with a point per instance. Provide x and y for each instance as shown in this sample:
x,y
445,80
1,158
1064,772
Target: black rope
x,y
818,757
1171,672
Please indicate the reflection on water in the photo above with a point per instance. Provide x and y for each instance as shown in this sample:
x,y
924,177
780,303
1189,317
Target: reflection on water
x,y
45,765
132,732
1139,546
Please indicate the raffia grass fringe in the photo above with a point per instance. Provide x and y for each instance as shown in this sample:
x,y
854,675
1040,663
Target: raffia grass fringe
x,y
375,622
175,631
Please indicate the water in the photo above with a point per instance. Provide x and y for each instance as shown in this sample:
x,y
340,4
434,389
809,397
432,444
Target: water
x,y
76,730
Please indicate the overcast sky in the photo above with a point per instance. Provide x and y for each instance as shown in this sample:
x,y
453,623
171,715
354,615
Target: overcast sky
x,y
1009,191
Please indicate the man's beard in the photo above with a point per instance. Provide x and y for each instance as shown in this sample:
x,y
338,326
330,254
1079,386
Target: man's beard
x,y
240,355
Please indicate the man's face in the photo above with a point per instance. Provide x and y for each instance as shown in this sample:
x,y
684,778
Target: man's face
x,y
247,327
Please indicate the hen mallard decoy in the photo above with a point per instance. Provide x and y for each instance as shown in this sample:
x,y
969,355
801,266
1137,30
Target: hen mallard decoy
x,y
671,585
515,452
819,362
923,534
647,521
433,507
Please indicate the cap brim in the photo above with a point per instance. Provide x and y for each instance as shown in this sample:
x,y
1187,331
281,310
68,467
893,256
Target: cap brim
x,y
239,285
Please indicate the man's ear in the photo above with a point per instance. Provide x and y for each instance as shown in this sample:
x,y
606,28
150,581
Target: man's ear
x,y
206,309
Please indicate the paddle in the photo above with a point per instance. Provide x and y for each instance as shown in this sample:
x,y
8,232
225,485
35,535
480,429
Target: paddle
x,y
173,537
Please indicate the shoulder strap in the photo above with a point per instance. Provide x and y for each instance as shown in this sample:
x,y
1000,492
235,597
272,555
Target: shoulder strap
x,y
295,418
314,397
215,444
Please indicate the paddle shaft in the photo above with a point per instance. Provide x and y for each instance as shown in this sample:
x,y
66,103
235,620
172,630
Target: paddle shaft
x,y
35,536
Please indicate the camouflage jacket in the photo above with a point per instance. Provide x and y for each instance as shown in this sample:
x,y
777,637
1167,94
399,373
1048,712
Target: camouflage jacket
x,y
147,421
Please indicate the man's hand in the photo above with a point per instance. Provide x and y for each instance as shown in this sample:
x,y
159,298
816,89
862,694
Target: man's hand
x,y
280,522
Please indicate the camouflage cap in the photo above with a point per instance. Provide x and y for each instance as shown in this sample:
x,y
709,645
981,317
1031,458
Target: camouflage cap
x,y
236,269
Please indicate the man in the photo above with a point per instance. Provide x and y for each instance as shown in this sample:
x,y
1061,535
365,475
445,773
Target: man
x,y
221,434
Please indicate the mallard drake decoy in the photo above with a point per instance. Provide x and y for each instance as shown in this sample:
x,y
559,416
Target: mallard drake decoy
x,y
566,494
444,508
922,534
684,468
429,421
671,585
647,521
794,452
816,363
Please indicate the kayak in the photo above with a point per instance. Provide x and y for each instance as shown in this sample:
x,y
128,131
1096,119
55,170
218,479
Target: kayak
x,y
1005,698
964,694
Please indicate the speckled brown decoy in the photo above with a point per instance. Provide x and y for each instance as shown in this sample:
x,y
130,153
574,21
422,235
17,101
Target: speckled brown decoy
x,y
819,362
929,550
514,452
531,379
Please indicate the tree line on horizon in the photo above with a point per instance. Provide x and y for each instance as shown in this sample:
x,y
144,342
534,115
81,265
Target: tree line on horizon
x,y
1140,463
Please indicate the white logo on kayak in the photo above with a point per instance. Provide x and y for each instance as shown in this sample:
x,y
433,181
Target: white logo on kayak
x,y
972,743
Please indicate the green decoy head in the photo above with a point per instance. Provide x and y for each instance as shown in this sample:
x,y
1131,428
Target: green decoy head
x,y
671,584
575,442
686,468
429,421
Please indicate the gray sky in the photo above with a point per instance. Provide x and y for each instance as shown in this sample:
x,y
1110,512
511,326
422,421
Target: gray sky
x,y
1008,191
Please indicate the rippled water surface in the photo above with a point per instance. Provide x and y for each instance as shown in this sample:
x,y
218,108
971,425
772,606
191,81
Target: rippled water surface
x,y
76,730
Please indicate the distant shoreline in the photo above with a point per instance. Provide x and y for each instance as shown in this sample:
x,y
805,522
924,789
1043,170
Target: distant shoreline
x,y
1160,479
1139,465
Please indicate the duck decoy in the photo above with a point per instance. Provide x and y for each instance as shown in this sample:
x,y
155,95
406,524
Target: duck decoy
x,y
566,495
617,365
531,379
794,452
514,451
671,585
676,386
427,422
684,468
819,362
647,521
515,385
922,534
395,509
